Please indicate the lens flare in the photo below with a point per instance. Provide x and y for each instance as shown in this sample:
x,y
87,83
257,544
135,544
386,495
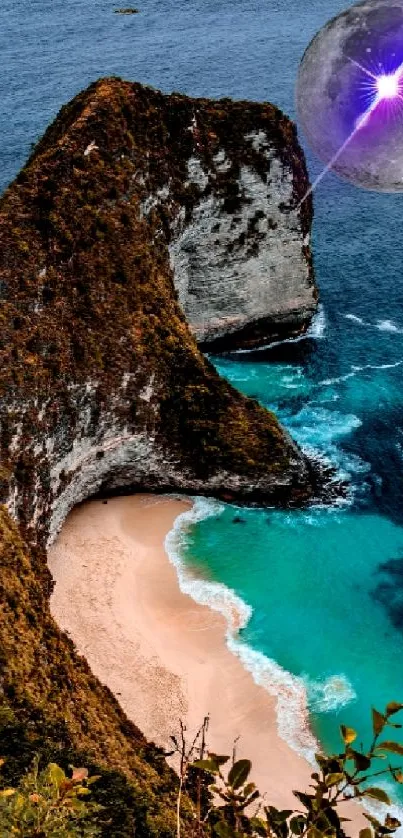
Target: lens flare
x,y
383,88
387,86
349,95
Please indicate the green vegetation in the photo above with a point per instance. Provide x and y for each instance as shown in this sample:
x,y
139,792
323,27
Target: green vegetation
x,y
228,805
48,803
219,803
87,302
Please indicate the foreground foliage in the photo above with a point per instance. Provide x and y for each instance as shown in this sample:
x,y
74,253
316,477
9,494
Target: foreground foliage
x,y
224,803
228,805
49,804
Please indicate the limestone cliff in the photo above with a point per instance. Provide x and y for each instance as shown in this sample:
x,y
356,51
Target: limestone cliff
x,y
241,252
102,385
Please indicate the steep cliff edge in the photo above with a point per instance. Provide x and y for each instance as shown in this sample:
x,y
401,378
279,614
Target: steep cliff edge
x,y
102,384
221,183
102,388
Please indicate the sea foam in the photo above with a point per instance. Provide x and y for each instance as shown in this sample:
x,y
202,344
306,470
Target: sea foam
x,y
292,693
388,326
316,331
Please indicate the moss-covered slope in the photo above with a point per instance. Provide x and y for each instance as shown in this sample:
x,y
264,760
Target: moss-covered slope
x,y
102,387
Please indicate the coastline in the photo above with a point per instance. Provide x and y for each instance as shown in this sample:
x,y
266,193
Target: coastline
x,y
161,653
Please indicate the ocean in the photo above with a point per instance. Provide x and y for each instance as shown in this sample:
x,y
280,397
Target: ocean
x,y
319,593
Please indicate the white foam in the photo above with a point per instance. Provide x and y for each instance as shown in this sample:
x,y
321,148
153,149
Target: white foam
x,y
290,691
388,326
316,331
382,325
356,370
330,695
214,594
355,318
318,326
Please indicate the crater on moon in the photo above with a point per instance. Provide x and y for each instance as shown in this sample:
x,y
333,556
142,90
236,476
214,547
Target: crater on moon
x,y
338,97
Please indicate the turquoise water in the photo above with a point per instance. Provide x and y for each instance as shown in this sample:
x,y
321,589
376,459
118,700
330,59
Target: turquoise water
x,y
325,586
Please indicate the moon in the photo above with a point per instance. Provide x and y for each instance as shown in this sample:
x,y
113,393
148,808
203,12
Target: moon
x,y
347,121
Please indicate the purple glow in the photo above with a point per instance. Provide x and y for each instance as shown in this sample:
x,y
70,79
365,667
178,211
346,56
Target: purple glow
x,y
349,95
388,86
384,88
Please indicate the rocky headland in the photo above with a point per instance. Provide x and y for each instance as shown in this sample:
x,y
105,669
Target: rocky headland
x,y
127,202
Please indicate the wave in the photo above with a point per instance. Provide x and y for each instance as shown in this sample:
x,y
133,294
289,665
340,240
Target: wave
x,y
292,693
355,319
388,326
330,695
355,370
381,325
316,331
318,426
317,328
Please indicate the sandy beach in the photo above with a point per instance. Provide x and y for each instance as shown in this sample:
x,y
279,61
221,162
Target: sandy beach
x,y
163,655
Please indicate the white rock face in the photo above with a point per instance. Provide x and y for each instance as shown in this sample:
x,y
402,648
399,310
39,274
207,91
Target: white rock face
x,y
234,268
76,459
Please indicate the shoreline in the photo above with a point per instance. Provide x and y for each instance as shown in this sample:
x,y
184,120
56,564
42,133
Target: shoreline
x,y
163,655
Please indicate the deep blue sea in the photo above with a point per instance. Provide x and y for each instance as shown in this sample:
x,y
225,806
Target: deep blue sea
x,y
324,588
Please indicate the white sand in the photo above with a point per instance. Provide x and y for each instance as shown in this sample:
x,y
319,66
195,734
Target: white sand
x,y
161,654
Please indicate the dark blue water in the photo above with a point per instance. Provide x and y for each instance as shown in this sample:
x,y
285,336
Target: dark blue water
x,y
325,586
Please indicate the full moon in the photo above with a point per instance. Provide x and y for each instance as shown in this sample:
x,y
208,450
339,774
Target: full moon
x,y
349,95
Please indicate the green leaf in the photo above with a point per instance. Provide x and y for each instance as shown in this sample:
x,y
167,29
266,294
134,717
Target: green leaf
x,y
206,765
248,799
366,833
393,747
377,794
348,734
284,814
224,830
378,722
297,825
377,824
239,773
249,789
259,826
56,774
305,799
218,759
362,762
314,833
392,823
7,792
334,779
393,707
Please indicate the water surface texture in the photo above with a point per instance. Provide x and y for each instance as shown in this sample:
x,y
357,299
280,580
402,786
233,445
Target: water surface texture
x,y
324,586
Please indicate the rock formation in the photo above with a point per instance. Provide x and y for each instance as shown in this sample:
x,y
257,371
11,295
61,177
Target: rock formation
x,y
102,385
241,257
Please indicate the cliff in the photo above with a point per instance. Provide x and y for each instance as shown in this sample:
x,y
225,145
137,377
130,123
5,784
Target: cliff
x,y
220,184
103,387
